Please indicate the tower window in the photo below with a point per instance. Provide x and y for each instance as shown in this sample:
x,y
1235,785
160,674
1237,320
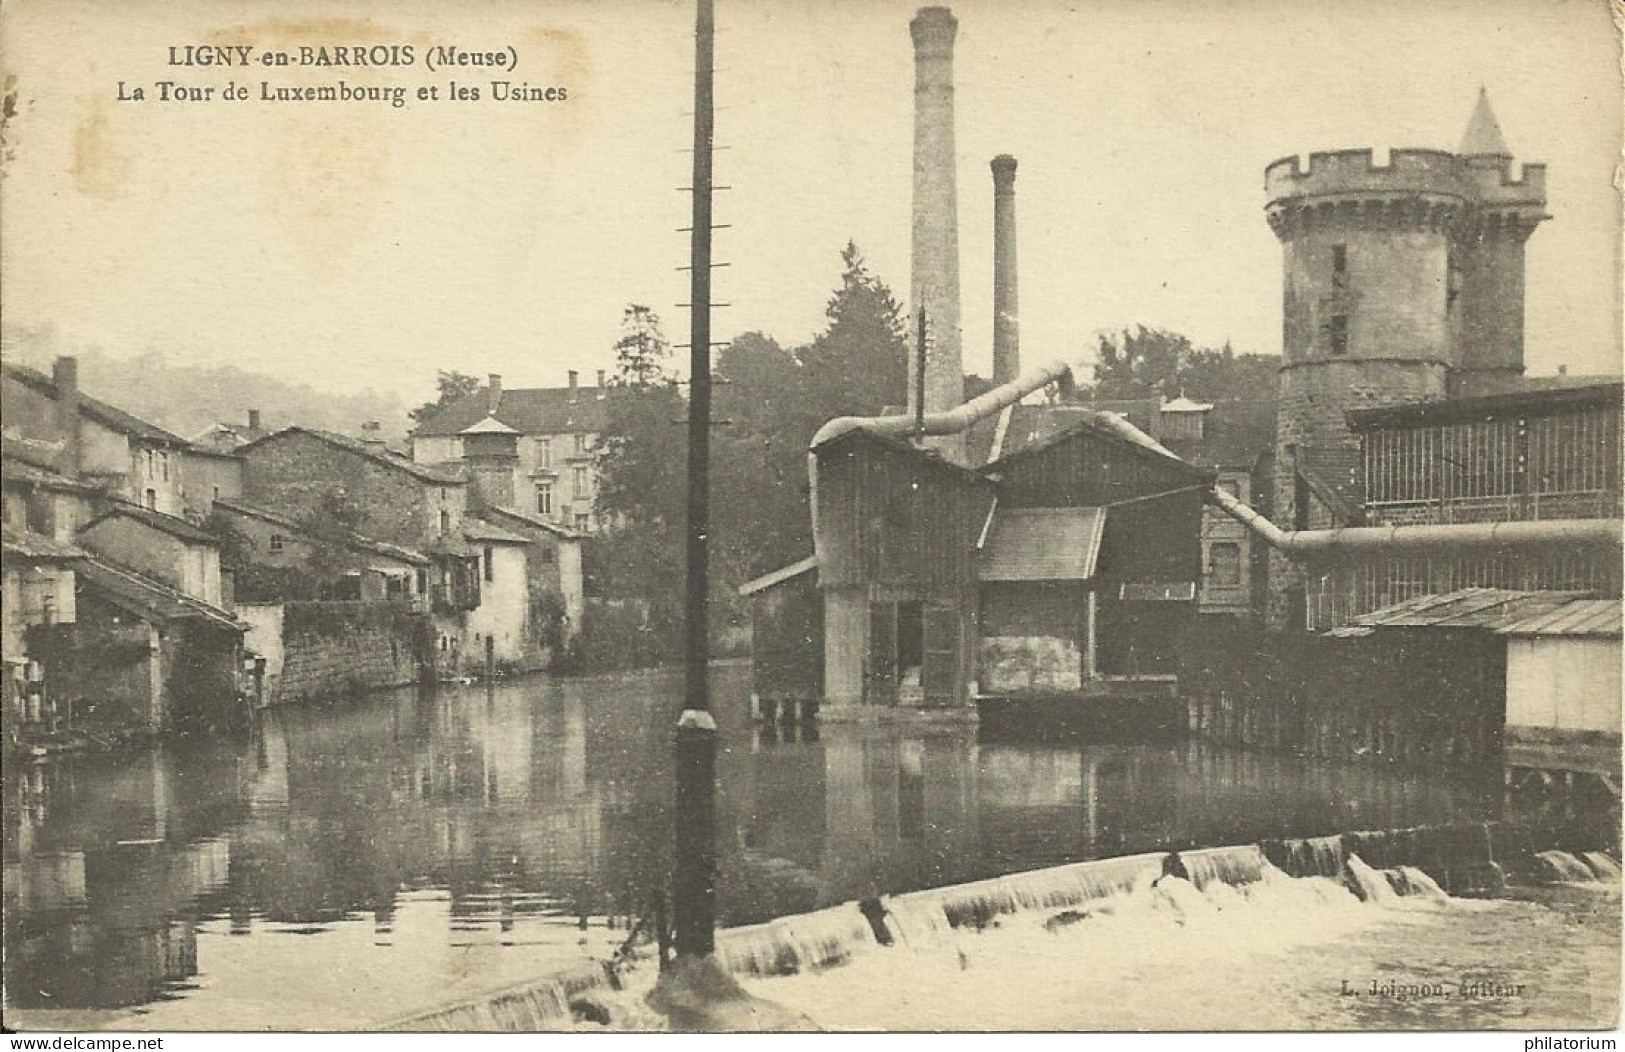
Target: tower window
x,y
1337,334
1340,259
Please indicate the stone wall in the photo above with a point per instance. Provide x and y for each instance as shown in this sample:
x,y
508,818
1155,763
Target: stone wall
x,y
336,649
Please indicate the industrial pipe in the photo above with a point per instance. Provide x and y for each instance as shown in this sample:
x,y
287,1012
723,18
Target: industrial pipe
x,y
1507,535
947,422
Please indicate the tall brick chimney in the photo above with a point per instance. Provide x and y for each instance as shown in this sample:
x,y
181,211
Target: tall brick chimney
x,y
1006,331
935,268
65,377
493,393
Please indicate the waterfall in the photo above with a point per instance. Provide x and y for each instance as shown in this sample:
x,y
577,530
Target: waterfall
x,y
1563,867
1603,866
528,1007
792,944
1369,884
1224,865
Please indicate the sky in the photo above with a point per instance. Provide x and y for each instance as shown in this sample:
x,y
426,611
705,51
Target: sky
x,y
358,245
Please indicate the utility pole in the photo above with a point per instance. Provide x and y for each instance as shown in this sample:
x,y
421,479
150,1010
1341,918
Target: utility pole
x,y
696,862
919,379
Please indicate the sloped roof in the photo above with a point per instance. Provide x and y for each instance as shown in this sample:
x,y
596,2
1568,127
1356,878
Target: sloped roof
x,y
128,590
35,547
436,473
1577,617
356,541
528,410
525,518
1541,394
1043,544
108,416
1112,427
177,528
1185,405
44,478
1483,137
1236,433
488,532
489,425
1466,608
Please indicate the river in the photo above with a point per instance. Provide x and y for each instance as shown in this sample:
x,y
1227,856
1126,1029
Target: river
x,y
357,860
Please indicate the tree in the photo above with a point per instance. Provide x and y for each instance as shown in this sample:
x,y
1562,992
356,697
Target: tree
x,y
1147,363
452,386
641,484
859,364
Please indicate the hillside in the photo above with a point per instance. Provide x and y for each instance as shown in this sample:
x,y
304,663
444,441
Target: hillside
x,y
186,399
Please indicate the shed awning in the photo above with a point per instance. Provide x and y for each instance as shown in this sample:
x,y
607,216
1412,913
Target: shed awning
x,y
1043,544
1490,609
1577,617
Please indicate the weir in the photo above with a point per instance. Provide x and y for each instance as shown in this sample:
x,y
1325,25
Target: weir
x,y
1406,866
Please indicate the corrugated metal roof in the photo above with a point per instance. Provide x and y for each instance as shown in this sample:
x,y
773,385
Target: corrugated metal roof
x,y
1482,608
1043,544
1577,617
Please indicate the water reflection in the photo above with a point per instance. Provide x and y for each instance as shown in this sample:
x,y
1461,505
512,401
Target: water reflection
x,y
456,823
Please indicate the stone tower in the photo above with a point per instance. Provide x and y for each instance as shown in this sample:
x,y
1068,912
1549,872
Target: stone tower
x,y
1401,282
935,262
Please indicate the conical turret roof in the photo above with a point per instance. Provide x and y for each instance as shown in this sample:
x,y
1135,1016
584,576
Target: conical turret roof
x,y
1483,137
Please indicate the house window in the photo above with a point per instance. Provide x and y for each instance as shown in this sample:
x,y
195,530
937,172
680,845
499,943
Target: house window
x,y
152,465
544,498
578,478
582,443
152,500
544,452
1224,565
276,542
1231,486
1337,334
490,564
163,459
445,521
583,520
548,556
1340,263
423,581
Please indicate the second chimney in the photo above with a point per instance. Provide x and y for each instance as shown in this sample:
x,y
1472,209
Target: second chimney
x,y
493,393
1006,331
65,377
255,429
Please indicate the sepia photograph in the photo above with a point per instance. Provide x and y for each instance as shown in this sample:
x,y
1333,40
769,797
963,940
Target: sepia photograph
x,y
844,516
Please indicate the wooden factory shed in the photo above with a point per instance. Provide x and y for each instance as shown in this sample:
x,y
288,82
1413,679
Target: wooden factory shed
x,y
1089,566
897,531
